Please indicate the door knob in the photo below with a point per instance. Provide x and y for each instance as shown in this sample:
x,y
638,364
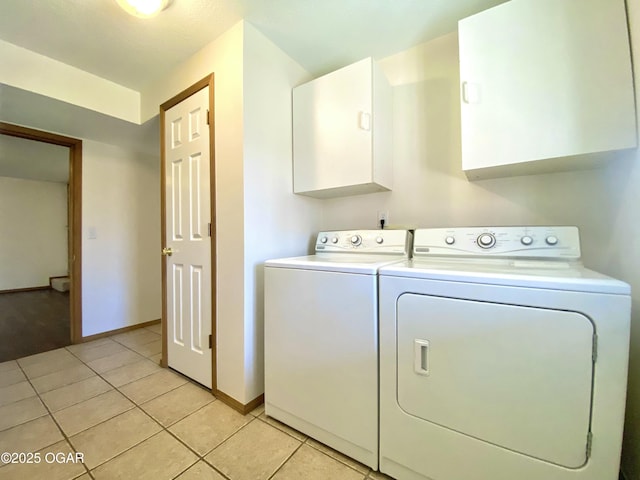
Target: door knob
x,y
167,251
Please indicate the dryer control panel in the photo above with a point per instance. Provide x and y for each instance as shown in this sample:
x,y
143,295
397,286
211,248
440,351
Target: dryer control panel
x,y
365,241
529,241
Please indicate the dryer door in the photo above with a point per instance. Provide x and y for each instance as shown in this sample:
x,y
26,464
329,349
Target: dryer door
x,y
514,376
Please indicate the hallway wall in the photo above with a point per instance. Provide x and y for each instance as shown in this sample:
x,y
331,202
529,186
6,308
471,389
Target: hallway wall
x,y
121,281
33,232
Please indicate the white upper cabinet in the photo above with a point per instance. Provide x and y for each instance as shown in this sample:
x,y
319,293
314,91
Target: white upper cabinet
x,y
545,85
342,135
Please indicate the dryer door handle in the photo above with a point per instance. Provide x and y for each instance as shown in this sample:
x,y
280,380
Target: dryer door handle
x,y
421,356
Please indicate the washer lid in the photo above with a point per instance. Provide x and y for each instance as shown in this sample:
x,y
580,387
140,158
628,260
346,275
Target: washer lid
x,y
339,262
555,275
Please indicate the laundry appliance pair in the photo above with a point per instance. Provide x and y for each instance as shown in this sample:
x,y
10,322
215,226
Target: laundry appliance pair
x,y
491,354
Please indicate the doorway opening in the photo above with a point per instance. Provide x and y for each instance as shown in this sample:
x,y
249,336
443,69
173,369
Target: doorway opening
x,y
74,210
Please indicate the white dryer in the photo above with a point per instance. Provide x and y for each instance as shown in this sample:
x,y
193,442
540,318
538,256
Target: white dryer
x,y
321,338
501,358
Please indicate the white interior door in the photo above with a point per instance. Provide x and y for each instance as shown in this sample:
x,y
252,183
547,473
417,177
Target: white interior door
x,y
188,236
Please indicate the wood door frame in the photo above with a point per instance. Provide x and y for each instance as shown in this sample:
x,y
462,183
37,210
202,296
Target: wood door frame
x,y
74,209
207,81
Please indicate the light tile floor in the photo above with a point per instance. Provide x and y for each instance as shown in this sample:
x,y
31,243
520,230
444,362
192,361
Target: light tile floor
x,y
109,400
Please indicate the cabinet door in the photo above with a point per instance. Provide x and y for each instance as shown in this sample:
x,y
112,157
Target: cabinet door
x,y
543,79
332,130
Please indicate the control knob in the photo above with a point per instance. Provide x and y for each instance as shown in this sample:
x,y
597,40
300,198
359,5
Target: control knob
x,y
449,240
552,240
486,240
526,240
323,240
356,240
334,240
379,240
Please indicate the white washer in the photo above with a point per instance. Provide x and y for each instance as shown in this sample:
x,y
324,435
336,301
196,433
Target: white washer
x,y
501,358
321,338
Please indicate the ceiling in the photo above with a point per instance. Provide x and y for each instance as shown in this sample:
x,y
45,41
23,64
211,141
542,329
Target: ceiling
x,y
321,35
26,159
97,36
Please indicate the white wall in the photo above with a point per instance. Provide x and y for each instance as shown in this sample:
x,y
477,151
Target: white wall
x,y
277,222
431,190
121,266
33,232
621,256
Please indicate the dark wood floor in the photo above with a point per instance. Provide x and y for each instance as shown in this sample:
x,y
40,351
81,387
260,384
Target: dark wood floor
x,y
33,322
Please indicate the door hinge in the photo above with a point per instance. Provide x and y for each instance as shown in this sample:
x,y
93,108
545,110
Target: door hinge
x,y
209,229
208,117
210,341
594,348
589,444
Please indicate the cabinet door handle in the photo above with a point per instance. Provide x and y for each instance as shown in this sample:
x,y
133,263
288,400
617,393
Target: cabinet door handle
x,y
470,92
364,121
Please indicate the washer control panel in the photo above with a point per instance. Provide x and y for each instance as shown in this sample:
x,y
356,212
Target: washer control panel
x,y
365,241
531,241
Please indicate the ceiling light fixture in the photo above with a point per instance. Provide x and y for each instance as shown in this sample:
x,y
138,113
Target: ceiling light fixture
x,y
143,8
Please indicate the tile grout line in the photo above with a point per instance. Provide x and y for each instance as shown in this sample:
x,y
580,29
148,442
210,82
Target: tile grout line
x,y
162,427
369,469
225,441
306,441
366,476
88,471
149,399
50,414
286,460
55,421
112,369
166,429
148,343
135,406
